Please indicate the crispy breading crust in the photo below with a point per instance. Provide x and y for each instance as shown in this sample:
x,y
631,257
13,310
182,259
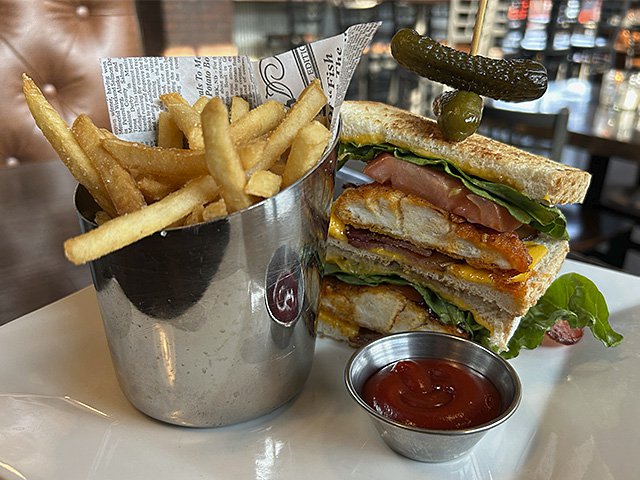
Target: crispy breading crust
x,y
396,214
347,309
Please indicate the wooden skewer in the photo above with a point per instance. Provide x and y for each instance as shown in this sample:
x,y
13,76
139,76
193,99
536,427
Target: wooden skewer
x,y
477,28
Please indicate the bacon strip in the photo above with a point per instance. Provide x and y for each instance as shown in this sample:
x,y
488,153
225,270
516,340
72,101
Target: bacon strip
x,y
562,333
427,258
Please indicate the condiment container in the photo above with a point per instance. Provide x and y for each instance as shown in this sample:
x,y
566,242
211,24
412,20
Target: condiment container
x,y
431,445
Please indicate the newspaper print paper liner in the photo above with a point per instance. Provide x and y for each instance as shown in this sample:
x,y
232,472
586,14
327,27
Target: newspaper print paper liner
x,y
133,84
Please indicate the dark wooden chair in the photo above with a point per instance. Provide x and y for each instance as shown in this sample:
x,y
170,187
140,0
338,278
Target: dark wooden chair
x,y
541,133
597,233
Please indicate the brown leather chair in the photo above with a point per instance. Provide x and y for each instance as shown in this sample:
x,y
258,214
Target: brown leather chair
x,y
58,43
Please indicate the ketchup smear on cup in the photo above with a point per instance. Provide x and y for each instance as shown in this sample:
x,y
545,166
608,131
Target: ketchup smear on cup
x,y
432,393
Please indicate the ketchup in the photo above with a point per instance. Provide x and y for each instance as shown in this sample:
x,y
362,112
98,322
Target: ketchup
x,y
432,393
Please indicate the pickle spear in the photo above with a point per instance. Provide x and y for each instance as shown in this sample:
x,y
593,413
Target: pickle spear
x,y
517,80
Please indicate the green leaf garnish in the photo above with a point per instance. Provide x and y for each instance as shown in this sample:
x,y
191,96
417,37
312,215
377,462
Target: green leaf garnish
x,y
571,297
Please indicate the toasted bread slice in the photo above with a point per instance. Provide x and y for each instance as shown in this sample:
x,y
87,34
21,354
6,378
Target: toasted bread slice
x,y
372,123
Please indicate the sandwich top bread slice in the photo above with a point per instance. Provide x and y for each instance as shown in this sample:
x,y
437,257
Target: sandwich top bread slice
x,y
537,177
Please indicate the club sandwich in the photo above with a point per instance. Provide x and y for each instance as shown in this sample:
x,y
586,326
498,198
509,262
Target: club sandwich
x,y
460,237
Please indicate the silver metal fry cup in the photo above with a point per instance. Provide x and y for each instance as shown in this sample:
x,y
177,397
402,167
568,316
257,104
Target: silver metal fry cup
x,y
214,324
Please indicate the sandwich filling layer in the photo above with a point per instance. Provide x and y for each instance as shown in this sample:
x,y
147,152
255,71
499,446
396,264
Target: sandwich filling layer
x,y
360,314
488,279
407,218
455,300
442,190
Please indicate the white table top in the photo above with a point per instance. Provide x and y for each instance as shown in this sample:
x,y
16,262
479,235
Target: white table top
x,y
62,415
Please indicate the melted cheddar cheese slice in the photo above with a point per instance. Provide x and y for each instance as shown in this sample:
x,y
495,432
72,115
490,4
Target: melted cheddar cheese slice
x,y
476,275
336,229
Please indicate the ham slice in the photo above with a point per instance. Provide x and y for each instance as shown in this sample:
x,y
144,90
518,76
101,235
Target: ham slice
x,y
441,190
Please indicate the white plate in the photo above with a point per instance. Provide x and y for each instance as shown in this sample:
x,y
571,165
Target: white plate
x,y
62,414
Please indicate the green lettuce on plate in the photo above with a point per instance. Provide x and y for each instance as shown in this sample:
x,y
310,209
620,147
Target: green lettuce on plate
x,y
571,297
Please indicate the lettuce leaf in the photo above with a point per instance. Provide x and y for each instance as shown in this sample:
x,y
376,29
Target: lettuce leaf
x,y
543,218
571,297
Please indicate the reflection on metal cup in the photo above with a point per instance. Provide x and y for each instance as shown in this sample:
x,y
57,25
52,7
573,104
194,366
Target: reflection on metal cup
x,y
192,332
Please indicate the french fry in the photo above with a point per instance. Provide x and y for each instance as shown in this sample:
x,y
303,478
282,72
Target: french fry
x,y
107,134
101,217
251,152
186,118
169,135
155,188
263,184
306,150
257,122
199,104
57,132
189,122
195,216
215,210
118,182
278,167
239,107
173,98
174,162
308,105
221,156
127,229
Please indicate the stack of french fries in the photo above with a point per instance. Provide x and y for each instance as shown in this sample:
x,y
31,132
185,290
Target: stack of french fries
x,y
210,160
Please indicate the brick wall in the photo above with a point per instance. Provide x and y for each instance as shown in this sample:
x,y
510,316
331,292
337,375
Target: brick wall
x,y
197,23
